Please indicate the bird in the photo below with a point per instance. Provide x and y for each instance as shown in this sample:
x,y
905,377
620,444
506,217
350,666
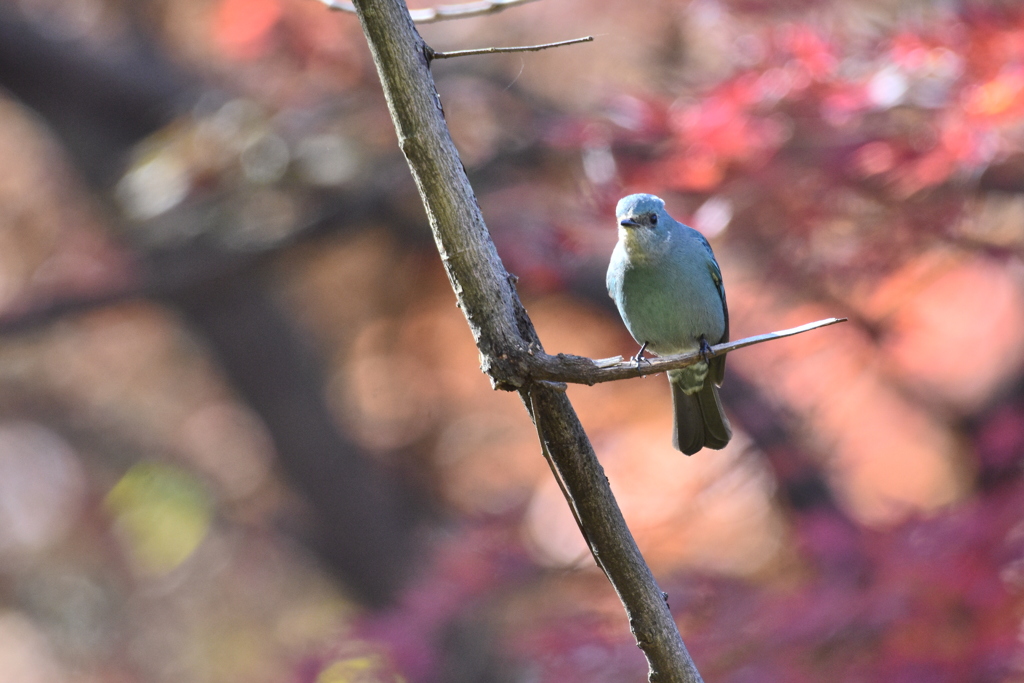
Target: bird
x,y
668,288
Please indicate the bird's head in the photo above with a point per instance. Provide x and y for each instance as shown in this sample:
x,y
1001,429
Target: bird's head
x,y
643,220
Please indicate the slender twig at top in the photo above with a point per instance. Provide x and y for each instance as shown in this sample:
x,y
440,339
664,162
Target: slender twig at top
x,y
429,15
518,48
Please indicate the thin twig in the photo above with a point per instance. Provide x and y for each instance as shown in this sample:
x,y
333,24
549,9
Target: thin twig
x,y
581,370
429,15
520,48
537,421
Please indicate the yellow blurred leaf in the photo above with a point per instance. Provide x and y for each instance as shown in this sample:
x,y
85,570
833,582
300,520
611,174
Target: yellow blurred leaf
x,y
161,514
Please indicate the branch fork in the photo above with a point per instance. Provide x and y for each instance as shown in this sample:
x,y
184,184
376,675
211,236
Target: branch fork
x,y
464,11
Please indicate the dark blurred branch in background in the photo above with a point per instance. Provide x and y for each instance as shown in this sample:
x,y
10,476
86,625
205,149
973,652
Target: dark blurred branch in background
x,y
167,273
504,332
364,521
1006,175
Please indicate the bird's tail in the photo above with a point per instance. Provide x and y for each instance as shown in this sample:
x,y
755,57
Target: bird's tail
x,y
700,421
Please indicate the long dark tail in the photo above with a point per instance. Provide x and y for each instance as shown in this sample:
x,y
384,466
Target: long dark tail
x,y
700,421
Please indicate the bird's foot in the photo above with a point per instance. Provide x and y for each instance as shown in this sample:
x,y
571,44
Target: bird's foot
x,y
639,359
705,350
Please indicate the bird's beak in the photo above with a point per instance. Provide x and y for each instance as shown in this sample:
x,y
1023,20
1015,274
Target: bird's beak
x,y
629,223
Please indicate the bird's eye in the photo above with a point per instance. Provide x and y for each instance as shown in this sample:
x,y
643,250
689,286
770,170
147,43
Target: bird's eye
x,y
654,219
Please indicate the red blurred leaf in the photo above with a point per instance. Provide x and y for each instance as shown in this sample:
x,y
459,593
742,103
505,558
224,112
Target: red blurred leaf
x,y
242,27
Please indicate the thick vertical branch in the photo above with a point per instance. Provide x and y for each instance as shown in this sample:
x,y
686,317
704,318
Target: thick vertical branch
x,y
503,332
588,493
481,284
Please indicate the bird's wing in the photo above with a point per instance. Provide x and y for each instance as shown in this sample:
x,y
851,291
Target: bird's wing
x,y
718,364
615,267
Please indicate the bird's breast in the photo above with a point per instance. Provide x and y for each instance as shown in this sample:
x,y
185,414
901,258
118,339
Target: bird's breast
x,y
669,301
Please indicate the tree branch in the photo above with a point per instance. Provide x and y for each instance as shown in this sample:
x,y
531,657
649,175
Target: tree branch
x,y
581,370
504,334
497,50
442,12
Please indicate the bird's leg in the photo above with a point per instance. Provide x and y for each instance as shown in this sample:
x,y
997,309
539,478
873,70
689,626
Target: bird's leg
x,y
639,357
705,349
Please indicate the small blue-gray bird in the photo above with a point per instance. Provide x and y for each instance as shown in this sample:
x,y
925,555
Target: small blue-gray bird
x,y
668,288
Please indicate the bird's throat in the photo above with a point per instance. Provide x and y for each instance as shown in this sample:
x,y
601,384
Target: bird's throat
x,y
641,245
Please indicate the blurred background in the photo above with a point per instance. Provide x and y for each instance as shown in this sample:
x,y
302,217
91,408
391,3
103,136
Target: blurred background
x,y
243,432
